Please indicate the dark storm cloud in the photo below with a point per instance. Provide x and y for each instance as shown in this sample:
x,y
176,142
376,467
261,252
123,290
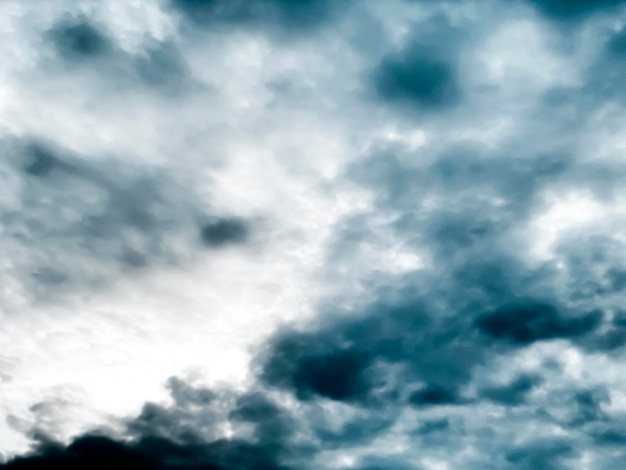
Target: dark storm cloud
x,y
525,323
86,452
357,360
309,366
98,452
182,437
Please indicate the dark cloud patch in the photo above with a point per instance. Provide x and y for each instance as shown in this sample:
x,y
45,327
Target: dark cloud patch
x,y
224,231
418,77
433,395
378,363
513,393
274,427
254,408
304,364
542,455
616,45
41,160
156,420
221,454
523,323
424,75
86,452
568,10
353,360
102,453
610,436
290,15
78,39
338,376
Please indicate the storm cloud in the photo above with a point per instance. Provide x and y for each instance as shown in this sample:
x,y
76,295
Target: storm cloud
x,y
292,235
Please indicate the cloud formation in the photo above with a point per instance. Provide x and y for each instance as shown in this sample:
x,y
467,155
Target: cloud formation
x,y
401,253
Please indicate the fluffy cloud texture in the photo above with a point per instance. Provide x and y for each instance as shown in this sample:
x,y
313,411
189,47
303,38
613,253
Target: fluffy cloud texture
x,y
312,234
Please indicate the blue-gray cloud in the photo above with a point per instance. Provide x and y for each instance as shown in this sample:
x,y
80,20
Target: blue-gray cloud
x,y
567,10
84,221
84,45
486,327
291,15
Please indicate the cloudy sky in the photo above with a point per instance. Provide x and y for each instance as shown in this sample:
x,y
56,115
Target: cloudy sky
x,y
312,234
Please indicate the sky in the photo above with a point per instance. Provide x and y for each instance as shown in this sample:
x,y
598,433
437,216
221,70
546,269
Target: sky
x,y
312,234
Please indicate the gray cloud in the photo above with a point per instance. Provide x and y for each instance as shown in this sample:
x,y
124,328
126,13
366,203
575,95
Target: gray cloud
x,y
87,47
564,10
292,16
82,221
77,39
492,351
